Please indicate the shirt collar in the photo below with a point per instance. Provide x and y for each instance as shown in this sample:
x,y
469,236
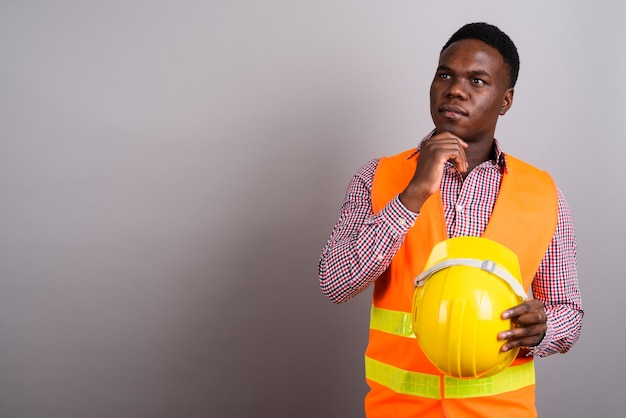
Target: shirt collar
x,y
500,159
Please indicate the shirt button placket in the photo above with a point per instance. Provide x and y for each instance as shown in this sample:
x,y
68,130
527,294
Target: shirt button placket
x,y
459,219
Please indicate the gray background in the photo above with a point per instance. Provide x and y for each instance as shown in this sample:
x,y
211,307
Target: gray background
x,y
170,170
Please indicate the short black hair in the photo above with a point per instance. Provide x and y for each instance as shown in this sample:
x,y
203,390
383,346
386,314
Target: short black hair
x,y
494,37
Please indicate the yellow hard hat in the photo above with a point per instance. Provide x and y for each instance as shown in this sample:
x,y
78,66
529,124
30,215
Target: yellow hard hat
x,y
457,305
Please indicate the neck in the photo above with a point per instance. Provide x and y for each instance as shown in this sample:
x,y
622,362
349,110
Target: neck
x,y
479,152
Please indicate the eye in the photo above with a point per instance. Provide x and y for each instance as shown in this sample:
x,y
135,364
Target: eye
x,y
478,81
444,76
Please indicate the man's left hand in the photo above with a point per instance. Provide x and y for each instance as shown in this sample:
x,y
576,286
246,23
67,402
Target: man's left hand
x,y
529,327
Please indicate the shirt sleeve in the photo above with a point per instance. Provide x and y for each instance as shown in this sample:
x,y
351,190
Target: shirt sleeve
x,y
556,284
362,243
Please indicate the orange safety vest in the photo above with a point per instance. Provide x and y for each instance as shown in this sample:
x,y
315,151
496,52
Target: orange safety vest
x,y
403,383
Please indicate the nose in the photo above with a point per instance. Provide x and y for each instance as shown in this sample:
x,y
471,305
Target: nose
x,y
457,89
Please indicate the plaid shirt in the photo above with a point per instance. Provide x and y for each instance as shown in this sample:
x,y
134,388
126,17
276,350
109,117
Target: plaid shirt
x,y
363,244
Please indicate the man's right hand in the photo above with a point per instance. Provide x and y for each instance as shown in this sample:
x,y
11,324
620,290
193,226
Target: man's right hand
x,y
434,153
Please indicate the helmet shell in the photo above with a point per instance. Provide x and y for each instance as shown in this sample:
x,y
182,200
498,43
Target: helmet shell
x,y
457,311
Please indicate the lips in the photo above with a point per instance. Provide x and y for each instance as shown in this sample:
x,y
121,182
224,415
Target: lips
x,y
452,112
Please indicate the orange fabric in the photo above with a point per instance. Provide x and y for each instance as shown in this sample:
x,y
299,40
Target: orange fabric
x,y
523,219
516,404
382,402
404,348
388,404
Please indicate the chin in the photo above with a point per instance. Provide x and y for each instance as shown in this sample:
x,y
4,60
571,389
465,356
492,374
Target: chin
x,y
451,127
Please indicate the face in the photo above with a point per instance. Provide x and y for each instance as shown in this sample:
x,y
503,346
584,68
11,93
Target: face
x,y
470,90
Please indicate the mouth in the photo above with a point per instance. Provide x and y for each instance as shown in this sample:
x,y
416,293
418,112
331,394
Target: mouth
x,y
452,112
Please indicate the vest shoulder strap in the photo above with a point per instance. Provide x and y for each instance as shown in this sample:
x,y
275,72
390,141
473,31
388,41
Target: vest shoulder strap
x,y
392,175
525,215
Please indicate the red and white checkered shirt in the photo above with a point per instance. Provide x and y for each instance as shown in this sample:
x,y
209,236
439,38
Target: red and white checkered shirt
x,y
363,243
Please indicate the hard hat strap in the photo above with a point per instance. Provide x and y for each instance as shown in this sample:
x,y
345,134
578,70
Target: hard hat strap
x,y
486,265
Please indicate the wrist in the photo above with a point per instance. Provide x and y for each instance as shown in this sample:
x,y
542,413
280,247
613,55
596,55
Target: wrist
x,y
413,199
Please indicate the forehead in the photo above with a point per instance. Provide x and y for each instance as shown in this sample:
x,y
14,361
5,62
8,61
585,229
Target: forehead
x,y
473,55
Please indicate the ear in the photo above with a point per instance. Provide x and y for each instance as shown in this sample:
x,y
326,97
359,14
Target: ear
x,y
507,101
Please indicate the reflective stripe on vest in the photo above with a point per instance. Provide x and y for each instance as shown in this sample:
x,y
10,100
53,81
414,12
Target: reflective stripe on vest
x,y
402,381
391,322
428,385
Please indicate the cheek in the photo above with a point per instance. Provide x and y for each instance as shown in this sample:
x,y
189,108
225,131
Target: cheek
x,y
432,93
433,100
488,108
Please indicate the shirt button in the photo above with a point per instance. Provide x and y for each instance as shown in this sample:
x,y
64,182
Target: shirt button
x,y
402,222
459,208
379,257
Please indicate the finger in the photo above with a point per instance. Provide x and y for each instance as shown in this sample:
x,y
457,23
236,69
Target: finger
x,y
531,318
459,161
516,311
447,148
521,337
532,305
517,333
511,345
438,154
521,343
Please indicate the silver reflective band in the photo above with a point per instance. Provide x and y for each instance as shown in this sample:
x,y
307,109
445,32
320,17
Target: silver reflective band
x,y
486,265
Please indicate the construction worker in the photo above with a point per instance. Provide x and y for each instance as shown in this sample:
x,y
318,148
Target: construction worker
x,y
456,182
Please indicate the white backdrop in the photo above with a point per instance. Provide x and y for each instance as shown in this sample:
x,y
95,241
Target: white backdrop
x,y
170,170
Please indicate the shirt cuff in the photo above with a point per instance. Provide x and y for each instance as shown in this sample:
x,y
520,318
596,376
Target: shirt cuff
x,y
541,350
398,217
